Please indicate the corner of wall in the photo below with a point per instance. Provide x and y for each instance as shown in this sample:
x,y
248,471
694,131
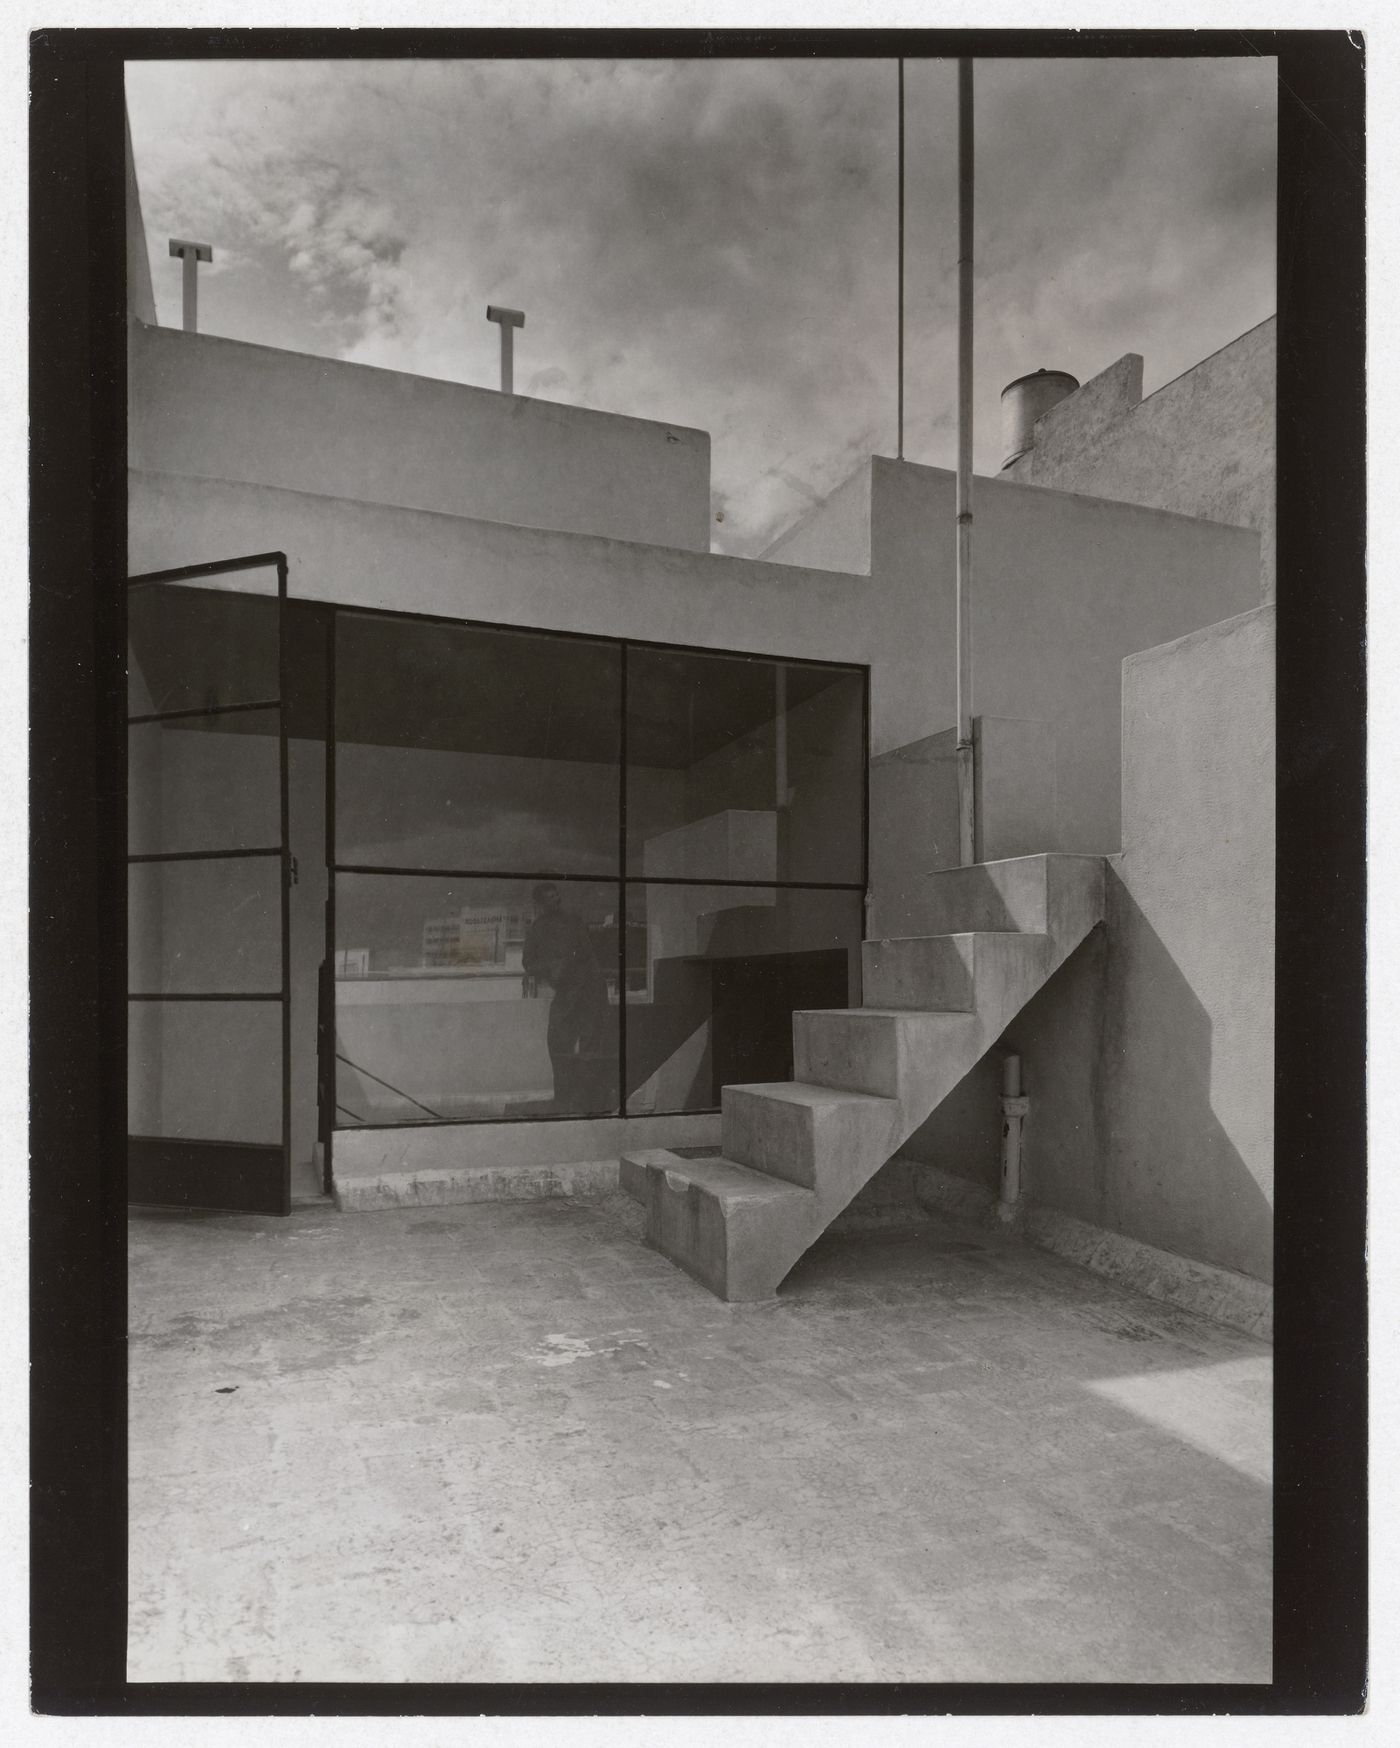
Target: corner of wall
x,y
835,533
1085,417
140,294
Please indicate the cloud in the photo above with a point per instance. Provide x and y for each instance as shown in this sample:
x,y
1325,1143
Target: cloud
x,y
713,242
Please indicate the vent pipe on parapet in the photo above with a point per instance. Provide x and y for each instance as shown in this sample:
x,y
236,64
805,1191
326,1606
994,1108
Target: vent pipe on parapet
x,y
191,254
508,321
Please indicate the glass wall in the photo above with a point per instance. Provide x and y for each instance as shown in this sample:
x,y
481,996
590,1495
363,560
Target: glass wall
x,y
579,877
715,973
463,747
459,1000
740,768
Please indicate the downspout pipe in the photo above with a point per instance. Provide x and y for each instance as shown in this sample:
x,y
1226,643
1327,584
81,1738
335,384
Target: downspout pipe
x,y
1014,1108
967,801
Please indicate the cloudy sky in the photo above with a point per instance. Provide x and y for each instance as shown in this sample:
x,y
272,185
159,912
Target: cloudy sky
x,y
714,242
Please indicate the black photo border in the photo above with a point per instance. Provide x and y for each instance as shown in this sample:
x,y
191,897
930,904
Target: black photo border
x,y
77,846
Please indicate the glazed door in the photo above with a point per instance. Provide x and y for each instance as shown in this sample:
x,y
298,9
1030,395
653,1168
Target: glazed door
x,y
208,878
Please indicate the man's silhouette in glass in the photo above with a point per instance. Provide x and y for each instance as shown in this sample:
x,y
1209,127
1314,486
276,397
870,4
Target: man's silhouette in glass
x,y
559,951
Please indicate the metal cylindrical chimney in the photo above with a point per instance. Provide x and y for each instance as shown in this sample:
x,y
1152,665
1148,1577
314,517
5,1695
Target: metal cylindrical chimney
x,y
1023,402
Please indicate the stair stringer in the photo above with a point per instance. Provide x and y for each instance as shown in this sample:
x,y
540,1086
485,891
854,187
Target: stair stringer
x,y
796,1153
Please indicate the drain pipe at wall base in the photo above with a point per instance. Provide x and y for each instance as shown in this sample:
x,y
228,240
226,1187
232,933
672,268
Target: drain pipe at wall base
x,y
1014,1107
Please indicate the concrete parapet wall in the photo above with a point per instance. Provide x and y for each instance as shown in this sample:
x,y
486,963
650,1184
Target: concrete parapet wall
x,y
221,409
1064,589
140,295
1190,1016
834,535
1202,444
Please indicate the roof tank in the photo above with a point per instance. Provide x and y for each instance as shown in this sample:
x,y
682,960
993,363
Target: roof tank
x,y
1024,401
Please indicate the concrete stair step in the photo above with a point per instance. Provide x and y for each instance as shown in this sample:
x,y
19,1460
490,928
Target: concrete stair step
x,y
989,896
870,1050
807,1134
1031,894
732,1228
950,973
794,1154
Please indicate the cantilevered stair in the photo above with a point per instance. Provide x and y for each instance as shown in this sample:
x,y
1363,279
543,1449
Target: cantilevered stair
x,y
794,1153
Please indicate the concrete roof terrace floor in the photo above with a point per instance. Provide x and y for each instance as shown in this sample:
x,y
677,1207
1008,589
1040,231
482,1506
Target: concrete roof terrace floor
x,y
505,1442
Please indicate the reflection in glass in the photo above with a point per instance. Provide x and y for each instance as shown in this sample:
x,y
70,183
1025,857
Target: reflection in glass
x,y
461,747
203,783
713,977
204,927
198,646
742,768
463,1000
205,1070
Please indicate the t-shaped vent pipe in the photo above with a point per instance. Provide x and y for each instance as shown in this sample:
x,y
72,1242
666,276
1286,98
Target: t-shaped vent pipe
x,y
191,254
509,321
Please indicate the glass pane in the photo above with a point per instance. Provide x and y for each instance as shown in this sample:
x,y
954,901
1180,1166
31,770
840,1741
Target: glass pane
x,y
204,783
468,1000
191,646
713,977
742,768
205,1070
458,747
204,927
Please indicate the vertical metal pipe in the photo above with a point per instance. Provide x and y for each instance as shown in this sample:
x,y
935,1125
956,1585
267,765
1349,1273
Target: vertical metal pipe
x,y
190,255
780,738
190,290
507,359
900,390
966,785
284,818
331,1068
1014,1108
624,705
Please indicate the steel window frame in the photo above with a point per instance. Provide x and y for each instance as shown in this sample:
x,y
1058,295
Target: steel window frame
x,y
277,561
618,876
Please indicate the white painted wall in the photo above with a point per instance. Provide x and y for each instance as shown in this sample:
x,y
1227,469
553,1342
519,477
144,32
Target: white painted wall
x,y
833,535
140,295
1148,1057
1067,588
1064,589
1189,1113
212,408
1202,444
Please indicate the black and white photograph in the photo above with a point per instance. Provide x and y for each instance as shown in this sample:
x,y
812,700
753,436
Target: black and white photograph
x,y
701,702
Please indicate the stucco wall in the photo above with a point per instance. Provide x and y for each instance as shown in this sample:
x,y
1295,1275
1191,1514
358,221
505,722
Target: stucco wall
x,y
834,535
1189,1112
1148,1057
1202,444
140,295
222,409
913,828
1064,588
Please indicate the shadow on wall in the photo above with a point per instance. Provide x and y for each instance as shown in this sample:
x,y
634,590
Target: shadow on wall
x,y
913,828
1116,1054
1175,1176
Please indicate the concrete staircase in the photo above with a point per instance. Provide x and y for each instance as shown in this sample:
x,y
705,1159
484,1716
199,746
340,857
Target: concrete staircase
x,y
795,1153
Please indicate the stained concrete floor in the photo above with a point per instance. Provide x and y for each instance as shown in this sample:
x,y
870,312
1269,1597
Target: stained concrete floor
x,y
506,1442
